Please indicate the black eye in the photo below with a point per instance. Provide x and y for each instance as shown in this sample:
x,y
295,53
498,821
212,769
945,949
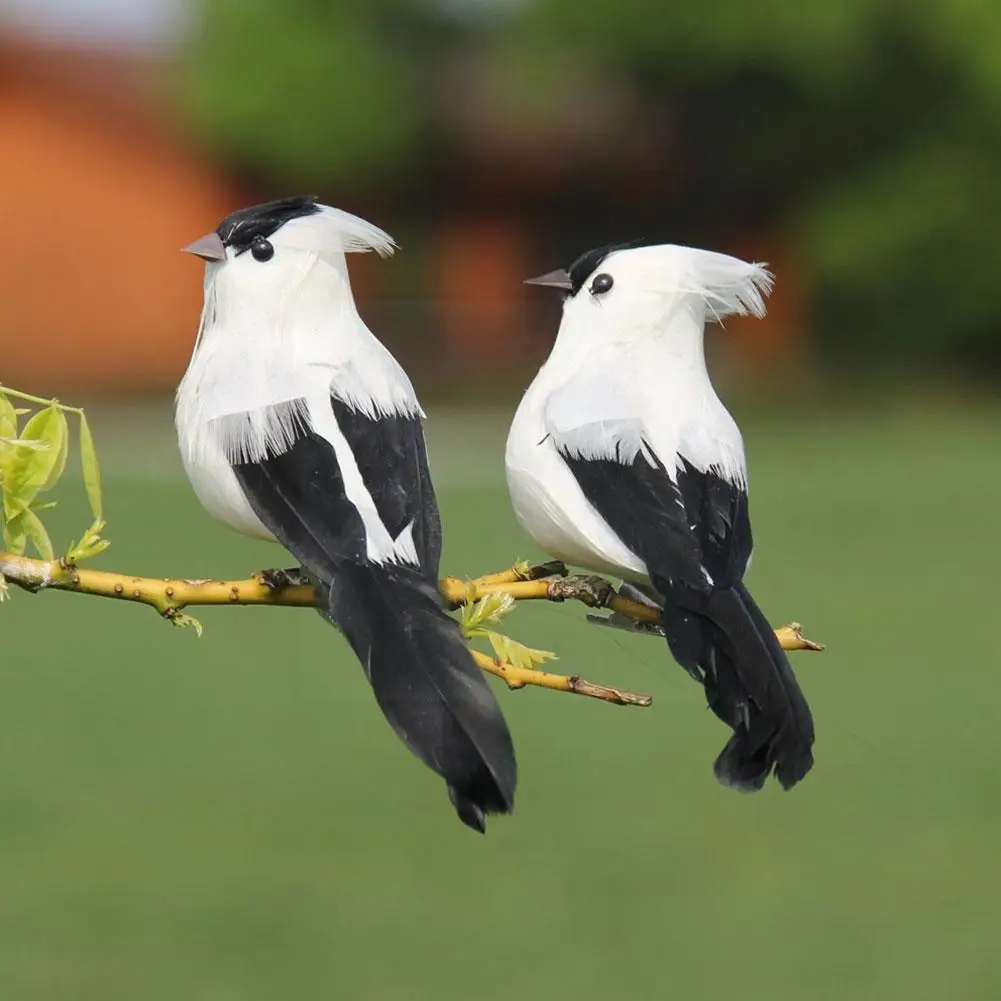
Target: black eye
x,y
601,283
262,249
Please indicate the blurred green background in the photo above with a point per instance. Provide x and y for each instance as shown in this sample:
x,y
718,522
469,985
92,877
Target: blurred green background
x,y
862,135
230,819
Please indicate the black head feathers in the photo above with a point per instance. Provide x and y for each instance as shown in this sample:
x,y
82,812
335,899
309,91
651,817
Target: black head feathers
x,y
588,262
240,229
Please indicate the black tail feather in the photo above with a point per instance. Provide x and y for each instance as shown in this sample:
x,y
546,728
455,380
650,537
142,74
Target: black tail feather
x,y
796,746
730,647
426,683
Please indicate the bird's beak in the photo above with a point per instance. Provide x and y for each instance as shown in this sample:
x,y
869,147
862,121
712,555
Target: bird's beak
x,y
209,248
554,279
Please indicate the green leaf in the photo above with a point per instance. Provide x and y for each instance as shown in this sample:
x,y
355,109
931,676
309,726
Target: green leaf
x,y
186,622
492,608
89,546
30,467
14,537
8,436
61,443
36,532
521,568
8,418
516,653
91,471
97,548
37,446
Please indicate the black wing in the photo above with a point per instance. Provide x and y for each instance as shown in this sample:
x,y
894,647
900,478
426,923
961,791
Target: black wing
x,y
681,530
413,653
694,535
392,458
299,495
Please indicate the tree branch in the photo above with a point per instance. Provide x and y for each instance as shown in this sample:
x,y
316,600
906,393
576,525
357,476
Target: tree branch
x,y
38,460
548,581
165,595
518,677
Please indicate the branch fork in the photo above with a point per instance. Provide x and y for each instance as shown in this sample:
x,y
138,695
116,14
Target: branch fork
x,y
288,588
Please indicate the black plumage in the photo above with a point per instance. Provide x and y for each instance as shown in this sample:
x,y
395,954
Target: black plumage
x,y
299,496
240,229
694,535
392,459
588,262
413,653
426,683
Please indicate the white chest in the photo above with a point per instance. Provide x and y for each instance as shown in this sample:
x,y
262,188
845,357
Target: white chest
x,y
551,507
607,406
211,476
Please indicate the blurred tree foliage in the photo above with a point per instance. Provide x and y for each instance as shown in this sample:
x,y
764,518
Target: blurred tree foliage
x,y
868,130
302,90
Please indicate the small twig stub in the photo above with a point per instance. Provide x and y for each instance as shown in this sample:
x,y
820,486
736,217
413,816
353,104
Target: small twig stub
x,y
494,595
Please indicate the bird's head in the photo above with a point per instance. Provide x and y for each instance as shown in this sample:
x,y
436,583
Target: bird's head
x,y
270,249
625,291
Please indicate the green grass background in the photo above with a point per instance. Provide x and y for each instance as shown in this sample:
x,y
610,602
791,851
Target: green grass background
x,y
230,818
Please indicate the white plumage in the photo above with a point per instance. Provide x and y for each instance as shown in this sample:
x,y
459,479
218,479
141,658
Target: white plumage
x,y
622,459
297,425
275,342
627,376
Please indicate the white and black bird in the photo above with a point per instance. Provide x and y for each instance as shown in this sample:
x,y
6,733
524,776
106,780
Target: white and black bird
x,y
297,425
621,459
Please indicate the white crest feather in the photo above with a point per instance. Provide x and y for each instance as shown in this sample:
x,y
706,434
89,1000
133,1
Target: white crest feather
x,y
725,284
728,285
334,231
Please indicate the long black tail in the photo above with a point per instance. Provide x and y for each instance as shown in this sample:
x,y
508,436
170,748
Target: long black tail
x,y
749,683
426,683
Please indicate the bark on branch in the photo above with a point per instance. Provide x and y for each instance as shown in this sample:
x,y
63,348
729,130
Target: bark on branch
x,y
548,581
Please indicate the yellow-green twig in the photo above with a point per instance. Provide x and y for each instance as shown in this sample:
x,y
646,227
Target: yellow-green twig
x,y
549,581
40,401
533,584
170,596
519,677
167,596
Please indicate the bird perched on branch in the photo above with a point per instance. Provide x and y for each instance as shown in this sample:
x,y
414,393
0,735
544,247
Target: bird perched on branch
x,y
621,459
297,425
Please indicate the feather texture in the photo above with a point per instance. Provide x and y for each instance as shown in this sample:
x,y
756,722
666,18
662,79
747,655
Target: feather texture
x,y
427,685
413,653
297,425
272,333
621,458
303,223
725,284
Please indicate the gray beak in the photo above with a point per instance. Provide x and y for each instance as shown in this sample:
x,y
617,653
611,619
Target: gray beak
x,y
554,279
209,248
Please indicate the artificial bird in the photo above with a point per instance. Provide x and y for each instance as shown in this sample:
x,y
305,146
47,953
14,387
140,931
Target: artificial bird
x,y
296,425
621,459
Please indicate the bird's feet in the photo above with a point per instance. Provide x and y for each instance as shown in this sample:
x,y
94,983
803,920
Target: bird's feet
x,y
278,580
617,620
554,568
596,592
520,572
